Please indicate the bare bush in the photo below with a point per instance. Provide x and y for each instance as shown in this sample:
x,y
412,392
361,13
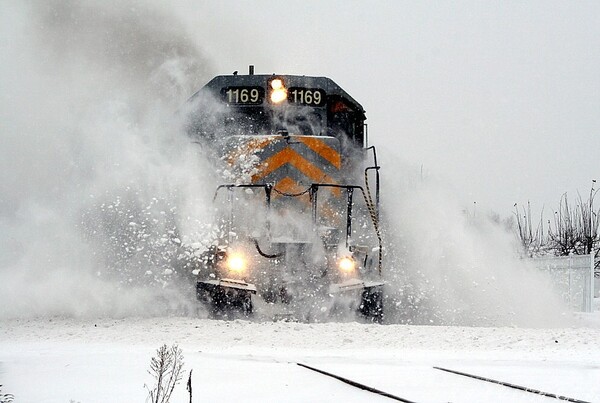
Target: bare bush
x,y
166,369
573,230
566,236
532,240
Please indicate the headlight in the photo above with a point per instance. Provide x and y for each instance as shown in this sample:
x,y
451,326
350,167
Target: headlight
x,y
236,263
347,264
278,91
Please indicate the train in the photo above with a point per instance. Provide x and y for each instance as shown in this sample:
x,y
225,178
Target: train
x,y
298,203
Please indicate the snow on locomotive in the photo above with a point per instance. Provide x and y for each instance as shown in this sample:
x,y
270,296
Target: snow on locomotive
x,y
300,232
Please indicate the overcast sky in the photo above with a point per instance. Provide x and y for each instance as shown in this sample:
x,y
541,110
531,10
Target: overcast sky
x,y
501,99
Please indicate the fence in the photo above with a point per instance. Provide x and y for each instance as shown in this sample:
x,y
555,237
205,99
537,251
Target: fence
x,y
573,278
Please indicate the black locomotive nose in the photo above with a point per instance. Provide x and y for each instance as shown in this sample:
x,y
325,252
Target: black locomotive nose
x,y
292,151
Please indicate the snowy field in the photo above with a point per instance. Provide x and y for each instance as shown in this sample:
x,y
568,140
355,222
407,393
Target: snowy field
x,y
106,360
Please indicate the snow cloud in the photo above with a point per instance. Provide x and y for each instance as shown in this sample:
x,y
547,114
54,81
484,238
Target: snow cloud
x,y
95,169
99,187
454,265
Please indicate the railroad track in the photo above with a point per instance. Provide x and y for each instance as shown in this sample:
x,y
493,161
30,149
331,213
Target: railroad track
x,y
356,384
471,376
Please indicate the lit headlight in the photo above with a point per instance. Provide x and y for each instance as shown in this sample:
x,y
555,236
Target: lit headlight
x,y
278,91
347,264
236,263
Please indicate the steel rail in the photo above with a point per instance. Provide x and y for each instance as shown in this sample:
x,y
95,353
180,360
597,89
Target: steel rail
x,y
513,386
356,384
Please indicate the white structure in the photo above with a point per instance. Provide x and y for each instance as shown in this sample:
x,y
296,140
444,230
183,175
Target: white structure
x,y
573,278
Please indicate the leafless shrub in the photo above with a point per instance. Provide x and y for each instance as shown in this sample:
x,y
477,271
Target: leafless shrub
x,y
566,235
590,221
532,240
573,230
166,369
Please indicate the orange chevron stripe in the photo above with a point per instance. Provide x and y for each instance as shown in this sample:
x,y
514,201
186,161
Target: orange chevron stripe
x,y
323,149
289,156
288,185
250,147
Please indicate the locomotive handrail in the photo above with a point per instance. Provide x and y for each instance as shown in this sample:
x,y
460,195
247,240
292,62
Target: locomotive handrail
x,y
374,210
312,190
375,167
266,186
349,188
374,154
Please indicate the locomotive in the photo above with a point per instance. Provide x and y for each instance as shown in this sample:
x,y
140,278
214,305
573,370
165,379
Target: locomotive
x,y
298,206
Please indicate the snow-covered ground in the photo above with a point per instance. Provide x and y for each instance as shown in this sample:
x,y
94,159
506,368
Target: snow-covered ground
x,y
106,360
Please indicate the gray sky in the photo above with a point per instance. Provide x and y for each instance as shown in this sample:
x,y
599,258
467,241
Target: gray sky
x,y
501,99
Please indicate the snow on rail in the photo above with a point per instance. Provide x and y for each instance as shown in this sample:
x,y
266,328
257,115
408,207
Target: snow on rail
x,y
513,386
356,384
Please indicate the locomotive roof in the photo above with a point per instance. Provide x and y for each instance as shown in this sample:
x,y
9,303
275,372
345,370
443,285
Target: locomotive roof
x,y
324,83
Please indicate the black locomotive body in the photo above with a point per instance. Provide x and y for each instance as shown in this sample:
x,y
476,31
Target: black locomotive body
x,y
300,234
